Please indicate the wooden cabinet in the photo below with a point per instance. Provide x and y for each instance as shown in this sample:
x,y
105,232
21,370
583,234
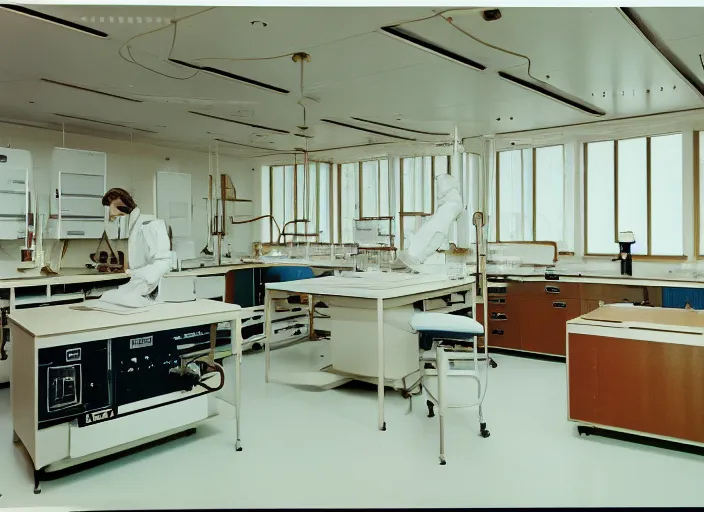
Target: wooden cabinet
x,y
532,316
544,324
504,321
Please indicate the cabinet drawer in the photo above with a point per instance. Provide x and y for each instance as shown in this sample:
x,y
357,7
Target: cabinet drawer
x,y
12,229
13,204
544,289
13,180
82,229
82,185
504,335
544,324
82,207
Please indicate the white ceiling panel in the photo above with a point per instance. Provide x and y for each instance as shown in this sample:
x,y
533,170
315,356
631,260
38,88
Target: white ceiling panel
x,y
356,71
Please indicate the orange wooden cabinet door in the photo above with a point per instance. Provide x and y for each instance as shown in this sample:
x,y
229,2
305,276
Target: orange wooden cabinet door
x,y
543,324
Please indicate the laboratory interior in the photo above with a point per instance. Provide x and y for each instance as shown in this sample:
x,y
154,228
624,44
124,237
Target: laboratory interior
x,y
265,240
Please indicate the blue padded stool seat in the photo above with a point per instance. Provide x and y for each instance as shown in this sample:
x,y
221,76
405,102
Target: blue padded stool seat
x,y
432,326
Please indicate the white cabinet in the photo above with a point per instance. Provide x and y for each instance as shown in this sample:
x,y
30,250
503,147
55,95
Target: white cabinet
x,y
78,185
15,173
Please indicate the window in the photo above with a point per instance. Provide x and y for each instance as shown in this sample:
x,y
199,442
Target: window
x,y
530,187
635,185
289,193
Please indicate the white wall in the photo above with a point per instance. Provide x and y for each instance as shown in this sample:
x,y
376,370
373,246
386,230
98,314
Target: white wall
x,y
131,166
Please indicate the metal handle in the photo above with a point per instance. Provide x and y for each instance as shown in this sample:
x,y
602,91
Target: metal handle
x,y
75,233
18,182
497,301
498,332
499,316
559,305
552,289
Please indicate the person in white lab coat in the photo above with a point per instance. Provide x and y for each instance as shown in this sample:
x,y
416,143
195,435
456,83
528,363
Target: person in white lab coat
x,y
149,251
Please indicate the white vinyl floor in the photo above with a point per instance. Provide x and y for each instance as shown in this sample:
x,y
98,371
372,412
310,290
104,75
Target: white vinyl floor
x,y
306,449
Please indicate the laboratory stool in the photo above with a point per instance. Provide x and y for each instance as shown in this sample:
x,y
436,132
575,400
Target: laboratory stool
x,y
439,337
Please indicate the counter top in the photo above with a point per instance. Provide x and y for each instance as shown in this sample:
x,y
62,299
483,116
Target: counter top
x,y
59,320
678,279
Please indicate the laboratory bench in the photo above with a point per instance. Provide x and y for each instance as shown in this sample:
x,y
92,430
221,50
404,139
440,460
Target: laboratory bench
x,y
528,312
637,371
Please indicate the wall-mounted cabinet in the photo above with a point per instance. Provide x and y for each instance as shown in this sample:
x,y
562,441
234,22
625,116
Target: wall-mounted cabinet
x,y
15,201
78,185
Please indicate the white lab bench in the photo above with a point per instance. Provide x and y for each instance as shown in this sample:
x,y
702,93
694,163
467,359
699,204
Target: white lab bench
x,y
86,416
365,292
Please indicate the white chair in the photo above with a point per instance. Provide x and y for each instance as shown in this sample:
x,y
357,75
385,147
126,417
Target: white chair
x,y
441,339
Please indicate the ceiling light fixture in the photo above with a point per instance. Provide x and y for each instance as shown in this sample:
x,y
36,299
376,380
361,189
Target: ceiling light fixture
x,y
210,116
226,74
30,13
362,129
656,43
400,127
77,118
85,89
243,145
401,35
553,95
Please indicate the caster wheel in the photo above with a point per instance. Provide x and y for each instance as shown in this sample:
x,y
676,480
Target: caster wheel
x,y
582,430
429,366
483,430
443,462
431,409
239,449
383,427
493,364
37,491
257,347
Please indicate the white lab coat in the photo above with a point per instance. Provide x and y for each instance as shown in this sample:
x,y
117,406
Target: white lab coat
x,y
149,259
434,233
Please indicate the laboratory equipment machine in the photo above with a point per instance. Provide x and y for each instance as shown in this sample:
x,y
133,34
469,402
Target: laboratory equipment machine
x,y
625,240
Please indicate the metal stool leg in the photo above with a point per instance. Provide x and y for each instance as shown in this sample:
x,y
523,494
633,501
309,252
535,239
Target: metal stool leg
x,y
442,367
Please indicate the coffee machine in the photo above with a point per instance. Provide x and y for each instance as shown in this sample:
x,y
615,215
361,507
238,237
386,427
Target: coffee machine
x,y
625,240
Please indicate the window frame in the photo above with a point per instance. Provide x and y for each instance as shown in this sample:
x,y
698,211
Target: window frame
x,y
295,166
585,189
534,172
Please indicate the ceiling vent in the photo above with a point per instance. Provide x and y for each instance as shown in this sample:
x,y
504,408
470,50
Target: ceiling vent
x,y
553,95
275,130
53,20
226,74
401,128
406,37
362,129
86,89
77,118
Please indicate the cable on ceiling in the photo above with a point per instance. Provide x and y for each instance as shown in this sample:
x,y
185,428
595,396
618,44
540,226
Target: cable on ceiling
x,y
473,37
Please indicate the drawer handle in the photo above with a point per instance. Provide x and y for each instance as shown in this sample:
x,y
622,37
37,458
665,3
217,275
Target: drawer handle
x,y
499,316
18,182
552,289
498,332
497,301
75,233
559,305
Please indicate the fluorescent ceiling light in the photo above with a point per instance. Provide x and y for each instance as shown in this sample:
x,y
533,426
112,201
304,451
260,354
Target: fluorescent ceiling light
x,y
53,20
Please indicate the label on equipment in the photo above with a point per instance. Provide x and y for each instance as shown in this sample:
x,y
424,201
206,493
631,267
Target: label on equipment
x,y
91,418
189,335
73,354
146,341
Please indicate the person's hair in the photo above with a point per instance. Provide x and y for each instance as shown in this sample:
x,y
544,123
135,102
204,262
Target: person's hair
x,y
122,195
